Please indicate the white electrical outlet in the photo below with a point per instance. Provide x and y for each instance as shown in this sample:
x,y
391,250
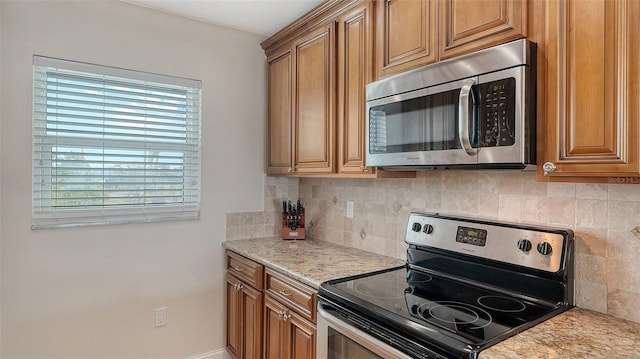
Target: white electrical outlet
x,y
349,209
161,317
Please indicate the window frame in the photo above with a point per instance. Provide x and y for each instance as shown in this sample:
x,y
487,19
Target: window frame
x,y
46,215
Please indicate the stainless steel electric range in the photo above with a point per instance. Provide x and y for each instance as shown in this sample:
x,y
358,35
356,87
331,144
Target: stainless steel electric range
x,y
467,284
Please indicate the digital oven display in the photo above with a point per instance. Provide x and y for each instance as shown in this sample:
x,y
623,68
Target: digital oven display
x,y
473,236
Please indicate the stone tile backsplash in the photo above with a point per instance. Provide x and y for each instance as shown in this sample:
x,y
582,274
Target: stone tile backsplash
x,y
604,217
266,223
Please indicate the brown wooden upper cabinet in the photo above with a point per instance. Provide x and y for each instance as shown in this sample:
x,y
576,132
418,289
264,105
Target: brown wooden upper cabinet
x,y
355,70
279,119
591,101
412,33
406,35
314,101
469,25
301,103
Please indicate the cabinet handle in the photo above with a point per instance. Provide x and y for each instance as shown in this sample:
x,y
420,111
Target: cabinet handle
x,y
548,167
238,286
364,168
285,293
239,269
281,314
287,316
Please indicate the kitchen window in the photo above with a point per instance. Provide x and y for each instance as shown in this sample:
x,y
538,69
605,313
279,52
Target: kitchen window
x,y
113,146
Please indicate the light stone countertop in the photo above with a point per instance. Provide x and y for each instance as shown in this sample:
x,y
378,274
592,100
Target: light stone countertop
x,y
574,334
311,261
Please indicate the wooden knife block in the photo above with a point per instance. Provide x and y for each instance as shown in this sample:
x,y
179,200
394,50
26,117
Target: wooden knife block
x,y
288,234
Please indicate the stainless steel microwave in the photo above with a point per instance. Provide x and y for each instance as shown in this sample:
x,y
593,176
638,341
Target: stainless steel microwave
x,y
473,111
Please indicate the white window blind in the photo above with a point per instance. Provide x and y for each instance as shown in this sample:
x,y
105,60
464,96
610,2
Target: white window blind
x,y
113,145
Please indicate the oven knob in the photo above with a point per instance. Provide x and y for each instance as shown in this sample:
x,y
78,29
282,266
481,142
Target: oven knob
x,y
416,227
427,229
524,245
544,248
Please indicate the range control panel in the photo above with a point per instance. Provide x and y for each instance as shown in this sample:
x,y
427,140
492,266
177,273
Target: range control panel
x,y
534,247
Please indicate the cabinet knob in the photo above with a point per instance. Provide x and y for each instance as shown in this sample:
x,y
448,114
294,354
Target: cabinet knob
x,y
364,168
548,167
284,315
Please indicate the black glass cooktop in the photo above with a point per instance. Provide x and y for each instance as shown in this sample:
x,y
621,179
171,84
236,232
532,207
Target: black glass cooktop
x,y
437,306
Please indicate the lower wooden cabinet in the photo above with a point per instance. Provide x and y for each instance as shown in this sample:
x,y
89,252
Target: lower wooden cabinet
x,y
244,319
287,335
277,323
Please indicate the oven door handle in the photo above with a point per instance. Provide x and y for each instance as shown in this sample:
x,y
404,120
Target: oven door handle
x,y
464,116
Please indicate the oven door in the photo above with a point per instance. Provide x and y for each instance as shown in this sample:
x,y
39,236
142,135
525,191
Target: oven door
x,y
338,339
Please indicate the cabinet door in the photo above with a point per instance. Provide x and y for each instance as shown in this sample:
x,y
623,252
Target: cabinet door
x,y
251,302
301,337
592,89
274,329
234,318
244,320
406,35
355,70
467,25
279,121
314,101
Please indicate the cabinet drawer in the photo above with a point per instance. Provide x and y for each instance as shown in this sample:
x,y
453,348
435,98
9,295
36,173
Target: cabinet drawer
x,y
245,269
295,295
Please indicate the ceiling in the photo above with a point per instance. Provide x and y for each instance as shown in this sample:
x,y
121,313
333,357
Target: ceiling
x,y
263,17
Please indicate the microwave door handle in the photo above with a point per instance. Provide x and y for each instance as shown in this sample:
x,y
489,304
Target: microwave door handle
x,y
463,116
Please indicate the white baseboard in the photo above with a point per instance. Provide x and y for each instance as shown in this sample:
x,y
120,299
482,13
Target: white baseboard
x,y
216,354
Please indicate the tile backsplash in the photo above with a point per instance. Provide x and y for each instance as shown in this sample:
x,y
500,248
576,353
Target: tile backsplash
x,y
604,217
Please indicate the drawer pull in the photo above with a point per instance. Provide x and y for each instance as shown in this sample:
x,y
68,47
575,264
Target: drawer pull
x,y
239,269
285,293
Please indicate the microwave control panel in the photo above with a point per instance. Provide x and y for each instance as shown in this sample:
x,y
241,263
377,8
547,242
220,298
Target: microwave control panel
x,y
497,113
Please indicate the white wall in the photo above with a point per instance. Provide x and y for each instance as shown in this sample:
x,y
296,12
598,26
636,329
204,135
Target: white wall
x,y
90,292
